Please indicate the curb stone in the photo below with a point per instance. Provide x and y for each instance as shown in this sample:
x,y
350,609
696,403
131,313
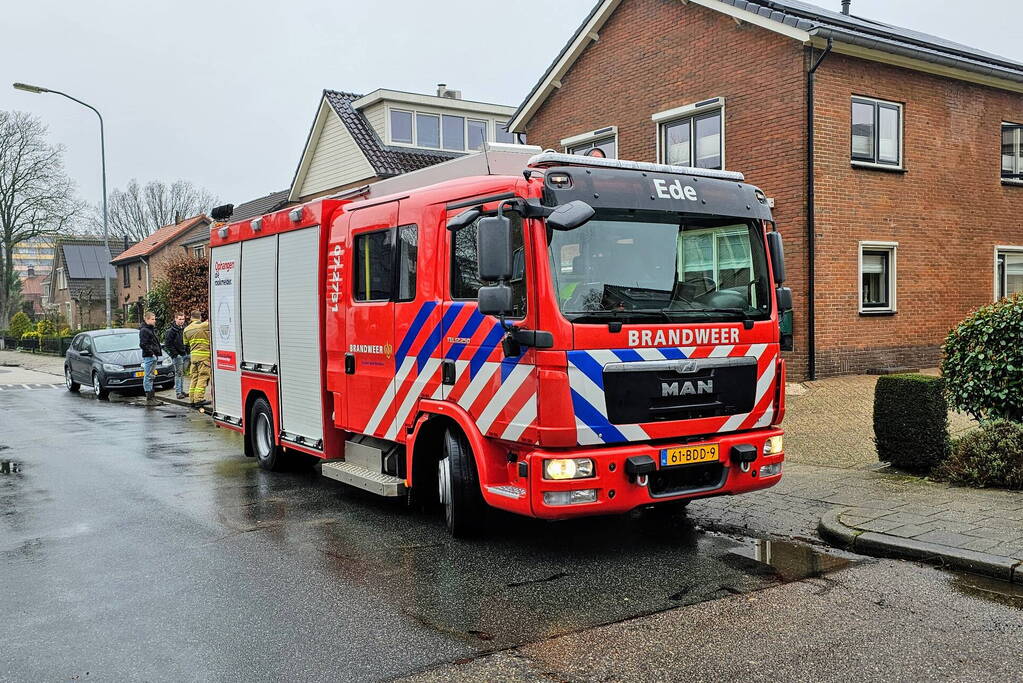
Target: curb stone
x,y
885,545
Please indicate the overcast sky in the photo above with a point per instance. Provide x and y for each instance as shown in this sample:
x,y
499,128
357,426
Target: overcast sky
x,y
223,93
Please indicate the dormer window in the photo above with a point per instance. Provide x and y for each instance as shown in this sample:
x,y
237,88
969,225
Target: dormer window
x,y
401,126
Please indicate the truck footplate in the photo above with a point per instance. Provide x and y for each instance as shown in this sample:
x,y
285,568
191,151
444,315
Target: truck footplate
x,y
363,478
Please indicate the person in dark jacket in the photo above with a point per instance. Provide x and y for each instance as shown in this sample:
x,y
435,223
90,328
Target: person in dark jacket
x,y
176,349
149,342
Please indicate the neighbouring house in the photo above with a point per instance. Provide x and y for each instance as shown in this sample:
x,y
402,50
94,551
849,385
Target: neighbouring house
x,y
275,201
35,253
358,139
76,286
145,263
32,291
893,159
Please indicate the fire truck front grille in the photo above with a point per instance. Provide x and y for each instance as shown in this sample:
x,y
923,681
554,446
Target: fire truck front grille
x,y
655,391
687,479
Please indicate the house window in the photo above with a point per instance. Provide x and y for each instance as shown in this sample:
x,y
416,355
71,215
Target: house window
x,y
606,148
139,273
477,133
877,277
1008,271
428,130
1012,152
401,126
454,132
199,251
465,280
126,276
696,140
61,279
876,132
374,265
502,134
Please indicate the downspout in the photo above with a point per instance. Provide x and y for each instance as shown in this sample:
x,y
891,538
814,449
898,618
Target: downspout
x,y
811,222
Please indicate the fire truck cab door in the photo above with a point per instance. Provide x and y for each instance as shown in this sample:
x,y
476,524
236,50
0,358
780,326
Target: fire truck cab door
x,y
369,319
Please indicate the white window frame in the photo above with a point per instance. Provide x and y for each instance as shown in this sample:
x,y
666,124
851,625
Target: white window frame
x,y
892,248
1018,143
901,166
1002,249
492,124
688,111
590,137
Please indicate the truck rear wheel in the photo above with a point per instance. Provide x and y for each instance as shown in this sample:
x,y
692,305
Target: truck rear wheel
x,y
261,436
459,486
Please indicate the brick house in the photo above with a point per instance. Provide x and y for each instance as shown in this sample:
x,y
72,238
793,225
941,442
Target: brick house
x,y
76,288
146,262
885,152
359,139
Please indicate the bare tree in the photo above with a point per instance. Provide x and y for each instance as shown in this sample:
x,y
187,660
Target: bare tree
x,y
36,196
138,211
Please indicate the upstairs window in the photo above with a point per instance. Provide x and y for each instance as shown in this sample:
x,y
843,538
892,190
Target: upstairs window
x,y
477,133
428,130
126,276
1012,152
876,132
454,132
401,126
502,134
693,141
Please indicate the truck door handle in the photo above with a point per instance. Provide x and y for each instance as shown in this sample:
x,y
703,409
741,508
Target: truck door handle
x,y
448,372
349,363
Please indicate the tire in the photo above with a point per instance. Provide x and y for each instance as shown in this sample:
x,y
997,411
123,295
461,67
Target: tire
x,y
97,387
71,385
459,487
261,437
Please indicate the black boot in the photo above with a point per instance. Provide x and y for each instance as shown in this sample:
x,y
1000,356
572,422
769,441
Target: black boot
x,y
151,399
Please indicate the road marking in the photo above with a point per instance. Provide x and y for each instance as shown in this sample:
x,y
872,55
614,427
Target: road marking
x,y
30,387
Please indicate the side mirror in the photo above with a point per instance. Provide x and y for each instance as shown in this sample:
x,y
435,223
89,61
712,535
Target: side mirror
x,y
495,300
494,248
463,219
570,216
784,297
774,245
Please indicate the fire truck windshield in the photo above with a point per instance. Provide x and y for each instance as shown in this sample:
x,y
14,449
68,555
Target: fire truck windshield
x,y
660,267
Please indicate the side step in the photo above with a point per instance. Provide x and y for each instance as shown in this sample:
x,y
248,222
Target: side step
x,y
363,478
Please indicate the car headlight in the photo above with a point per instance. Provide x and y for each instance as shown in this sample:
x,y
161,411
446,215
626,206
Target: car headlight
x,y
567,468
167,361
113,367
774,445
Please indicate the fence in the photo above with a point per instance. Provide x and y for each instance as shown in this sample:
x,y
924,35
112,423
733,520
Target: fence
x,y
53,346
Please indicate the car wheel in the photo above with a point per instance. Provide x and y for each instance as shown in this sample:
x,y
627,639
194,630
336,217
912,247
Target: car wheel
x,y
459,486
260,432
97,387
70,383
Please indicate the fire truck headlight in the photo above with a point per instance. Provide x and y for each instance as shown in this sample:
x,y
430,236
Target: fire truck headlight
x,y
570,497
774,445
568,468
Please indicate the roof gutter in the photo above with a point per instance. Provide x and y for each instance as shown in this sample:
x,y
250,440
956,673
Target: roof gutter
x,y
931,56
811,222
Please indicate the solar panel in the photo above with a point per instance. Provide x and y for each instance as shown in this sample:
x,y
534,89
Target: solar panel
x,y
87,261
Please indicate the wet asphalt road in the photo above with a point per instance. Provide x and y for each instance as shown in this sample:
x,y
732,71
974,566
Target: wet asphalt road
x,y
140,543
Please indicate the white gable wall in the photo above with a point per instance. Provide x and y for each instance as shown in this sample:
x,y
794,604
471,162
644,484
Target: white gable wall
x,y
335,160
375,115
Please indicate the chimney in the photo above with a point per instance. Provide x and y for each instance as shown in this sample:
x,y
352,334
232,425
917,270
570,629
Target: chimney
x,y
126,243
31,272
177,217
442,91
845,6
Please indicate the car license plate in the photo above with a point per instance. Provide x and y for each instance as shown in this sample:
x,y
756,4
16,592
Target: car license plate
x,y
140,373
689,455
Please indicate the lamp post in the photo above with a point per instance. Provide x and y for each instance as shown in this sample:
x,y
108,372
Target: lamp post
x,y
103,158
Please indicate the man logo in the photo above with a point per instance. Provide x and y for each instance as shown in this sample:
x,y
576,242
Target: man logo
x,y
684,367
687,388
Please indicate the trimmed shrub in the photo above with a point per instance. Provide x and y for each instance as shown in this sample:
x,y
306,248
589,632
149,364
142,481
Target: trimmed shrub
x,y
46,328
983,364
911,421
31,334
20,324
989,456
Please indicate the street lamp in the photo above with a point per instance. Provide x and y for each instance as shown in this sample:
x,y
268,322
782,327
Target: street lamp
x,y
103,157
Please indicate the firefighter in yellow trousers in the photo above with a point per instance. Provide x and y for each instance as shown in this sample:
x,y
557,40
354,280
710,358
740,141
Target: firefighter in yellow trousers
x,y
197,337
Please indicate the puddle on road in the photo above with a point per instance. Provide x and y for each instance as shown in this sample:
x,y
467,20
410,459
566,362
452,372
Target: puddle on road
x,y
10,467
235,468
788,560
989,589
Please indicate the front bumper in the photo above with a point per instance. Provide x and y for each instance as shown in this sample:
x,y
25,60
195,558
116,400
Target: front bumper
x,y
618,492
128,380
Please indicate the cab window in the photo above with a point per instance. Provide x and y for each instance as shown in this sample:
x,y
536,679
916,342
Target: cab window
x,y
465,279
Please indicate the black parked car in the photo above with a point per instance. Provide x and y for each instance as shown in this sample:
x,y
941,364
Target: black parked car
x,y
111,360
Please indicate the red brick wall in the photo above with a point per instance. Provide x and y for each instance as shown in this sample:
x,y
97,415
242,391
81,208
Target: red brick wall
x,y
655,55
947,212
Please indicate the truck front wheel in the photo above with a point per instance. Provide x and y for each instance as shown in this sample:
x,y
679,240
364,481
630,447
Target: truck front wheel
x,y
459,486
260,433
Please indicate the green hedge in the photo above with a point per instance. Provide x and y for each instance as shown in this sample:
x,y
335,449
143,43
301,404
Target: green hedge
x,y
911,421
989,456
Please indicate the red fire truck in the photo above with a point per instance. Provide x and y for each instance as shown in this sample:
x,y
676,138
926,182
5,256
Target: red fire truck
x,y
548,334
